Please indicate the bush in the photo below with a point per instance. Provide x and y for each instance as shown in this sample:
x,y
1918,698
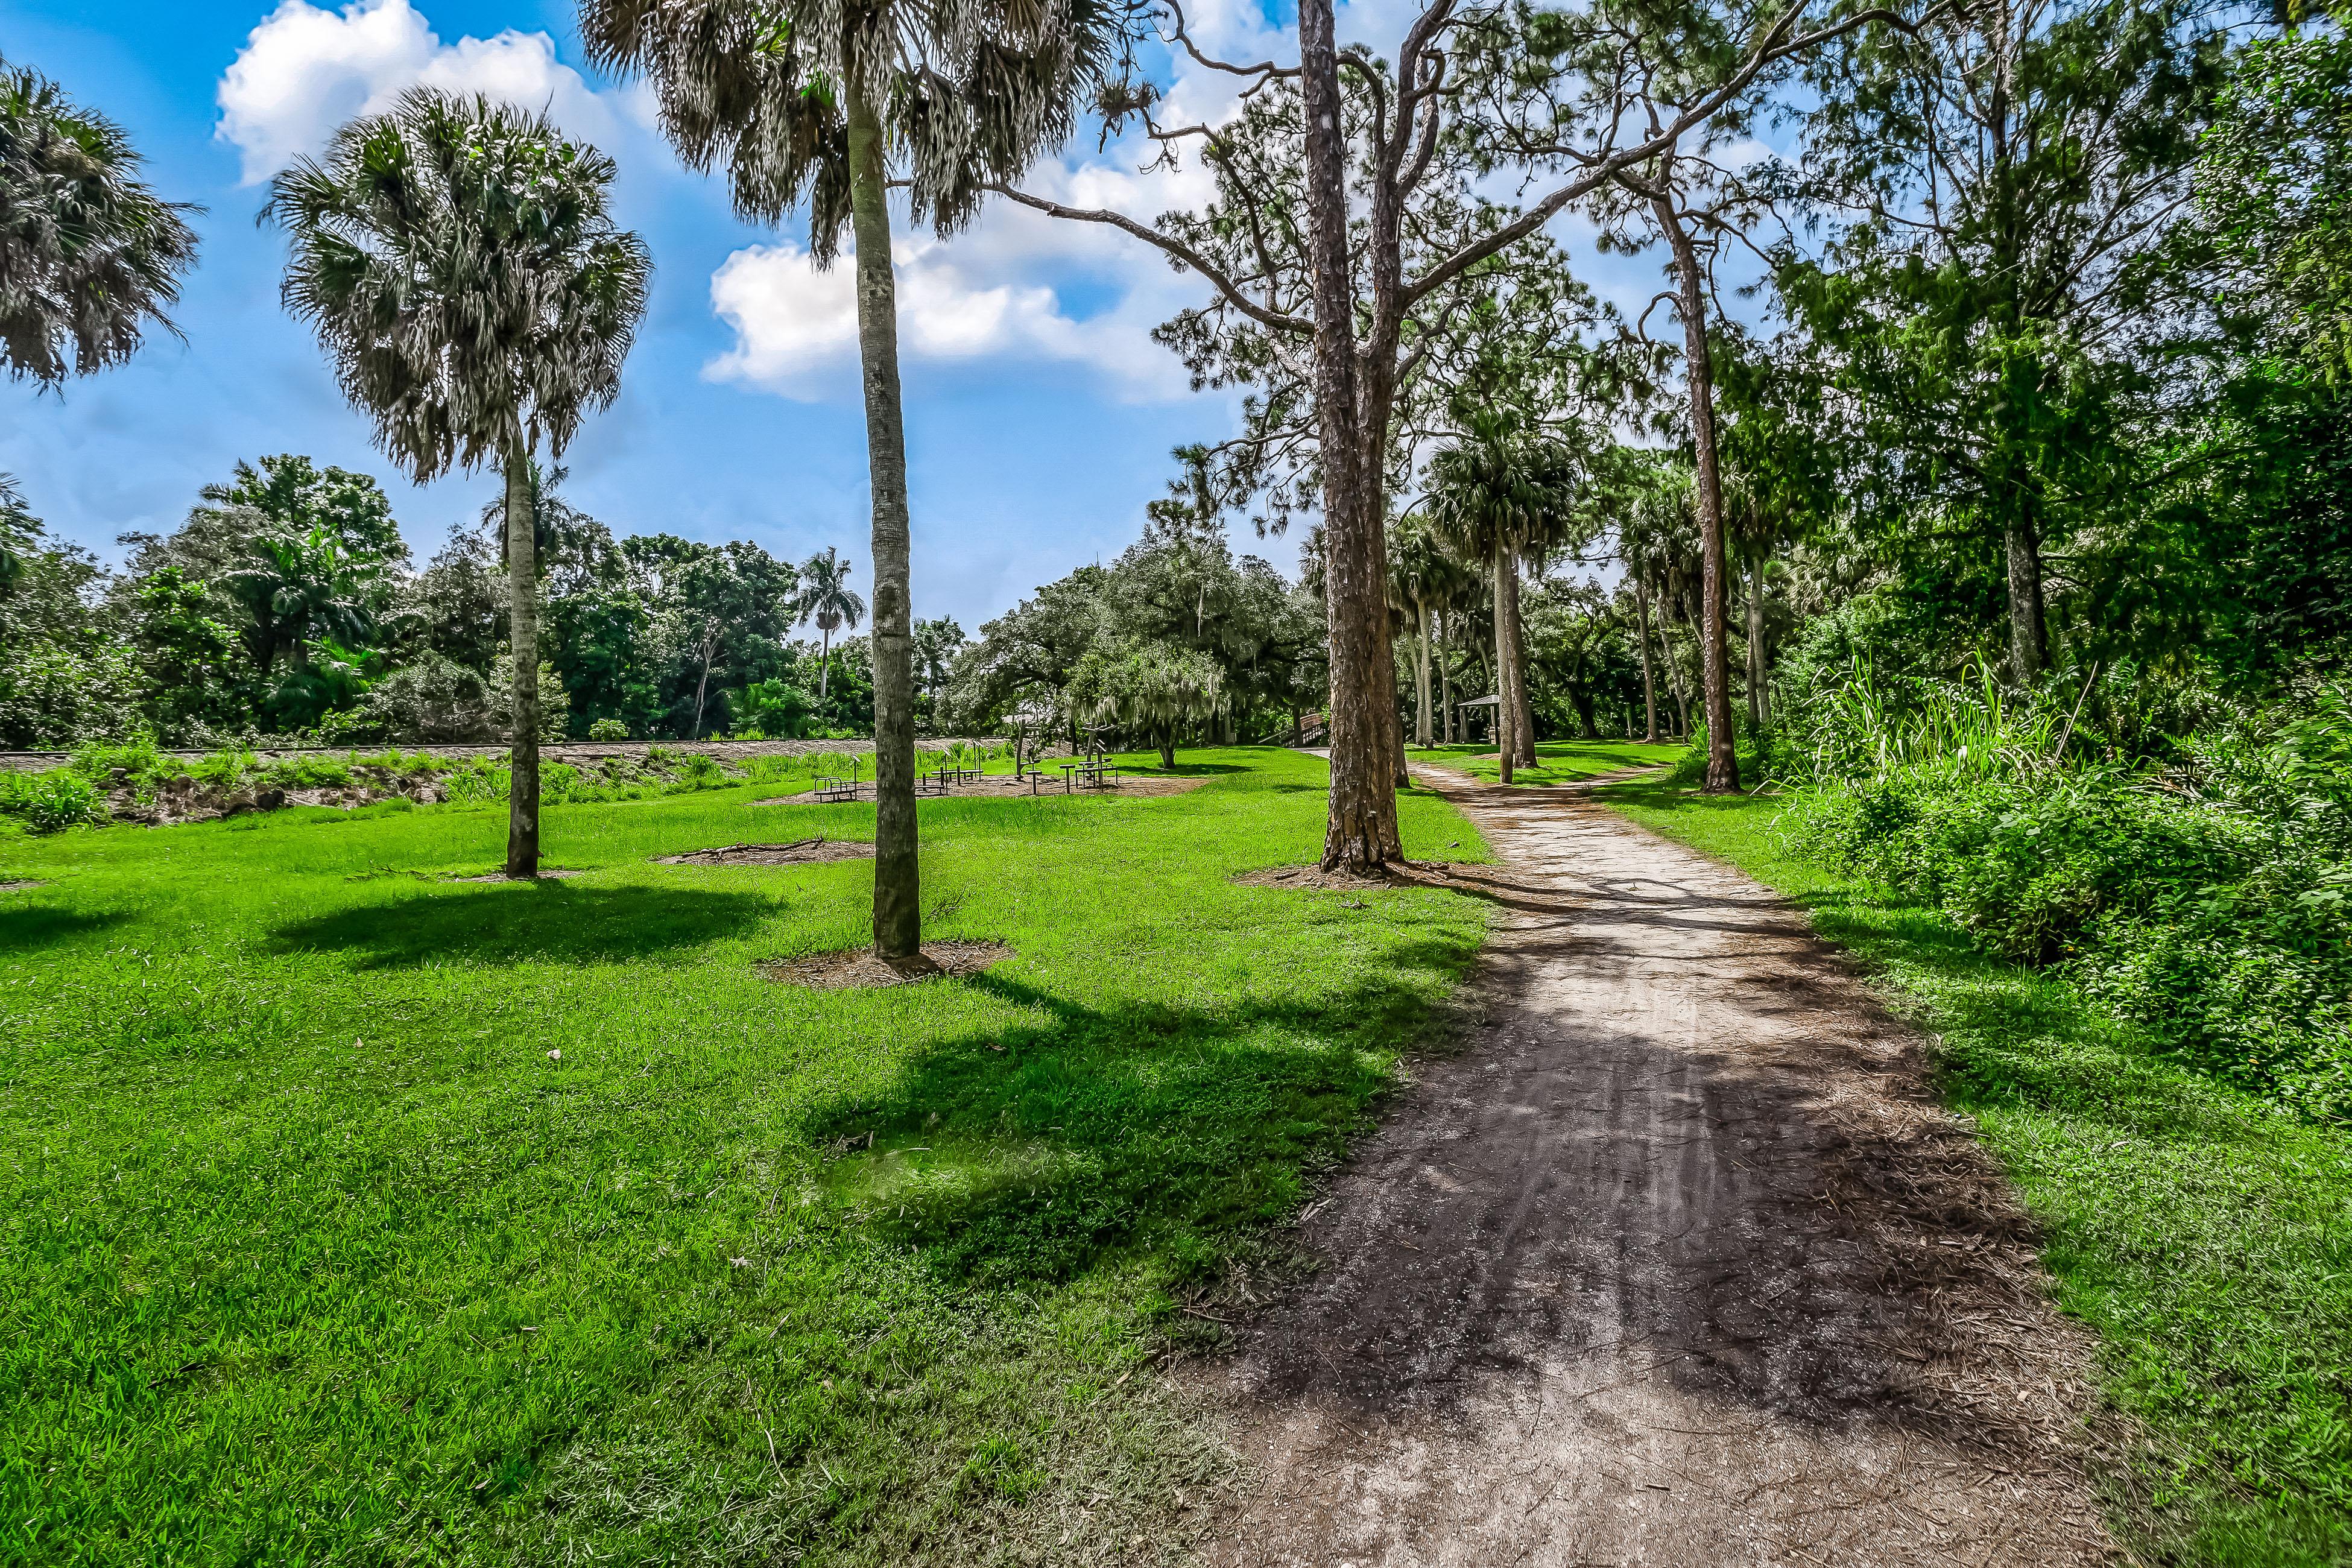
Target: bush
x,y
2208,904
51,801
608,730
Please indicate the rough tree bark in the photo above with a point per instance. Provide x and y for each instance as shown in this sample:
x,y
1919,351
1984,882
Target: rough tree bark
x,y
522,637
1361,831
2027,644
1715,661
898,910
1649,674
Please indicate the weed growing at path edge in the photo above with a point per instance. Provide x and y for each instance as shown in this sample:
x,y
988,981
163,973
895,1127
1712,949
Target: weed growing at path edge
x,y
2206,1239
349,1211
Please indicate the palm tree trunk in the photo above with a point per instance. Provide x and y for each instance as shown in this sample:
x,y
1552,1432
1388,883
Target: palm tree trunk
x,y
1421,734
898,910
1649,673
1506,752
1523,719
702,686
522,637
1760,701
1714,654
1445,676
824,661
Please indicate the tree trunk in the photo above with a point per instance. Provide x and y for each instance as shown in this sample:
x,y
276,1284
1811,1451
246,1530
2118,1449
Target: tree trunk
x,y
2027,648
1759,700
1445,699
824,661
702,688
1421,732
1715,655
522,638
1361,831
1523,719
1507,755
1649,674
1168,753
898,910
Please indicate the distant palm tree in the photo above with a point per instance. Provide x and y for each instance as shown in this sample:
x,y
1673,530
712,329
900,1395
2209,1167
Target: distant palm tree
x,y
459,264
1499,492
825,598
18,530
89,253
830,104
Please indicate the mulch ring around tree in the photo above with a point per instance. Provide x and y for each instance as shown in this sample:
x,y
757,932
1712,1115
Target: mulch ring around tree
x,y
1000,787
858,968
546,873
799,852
1458,876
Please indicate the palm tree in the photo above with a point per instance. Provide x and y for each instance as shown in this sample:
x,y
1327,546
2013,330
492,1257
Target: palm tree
x,y
1500,493
19,529
791,96
1424,580
89,253
461,265
825,599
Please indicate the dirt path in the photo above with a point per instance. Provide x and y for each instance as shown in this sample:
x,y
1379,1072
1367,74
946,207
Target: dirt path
x,y
1678,1262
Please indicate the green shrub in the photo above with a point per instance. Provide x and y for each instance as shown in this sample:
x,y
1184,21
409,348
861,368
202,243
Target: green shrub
x,y
2208,904
51,801
608,730
223,769
312,772
139,760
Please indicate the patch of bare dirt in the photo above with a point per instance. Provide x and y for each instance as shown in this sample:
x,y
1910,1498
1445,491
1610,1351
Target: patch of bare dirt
x,y
1679,1262
799,852
24,884
546,873
859,967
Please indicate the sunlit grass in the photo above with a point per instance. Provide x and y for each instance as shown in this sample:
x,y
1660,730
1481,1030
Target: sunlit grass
x,y
1562,760
350,1211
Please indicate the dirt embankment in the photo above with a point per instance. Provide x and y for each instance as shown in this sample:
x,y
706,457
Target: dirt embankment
x,y
1679,1262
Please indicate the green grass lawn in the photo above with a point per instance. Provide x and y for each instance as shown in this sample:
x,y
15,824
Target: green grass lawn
x,y
1562,760
2207,1240
348,1212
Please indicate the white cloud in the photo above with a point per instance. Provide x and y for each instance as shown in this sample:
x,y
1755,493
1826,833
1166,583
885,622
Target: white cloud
x,y
997,292
796,326
304,70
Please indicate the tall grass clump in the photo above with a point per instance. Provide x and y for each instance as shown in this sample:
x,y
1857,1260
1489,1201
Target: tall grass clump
x,y
2200,889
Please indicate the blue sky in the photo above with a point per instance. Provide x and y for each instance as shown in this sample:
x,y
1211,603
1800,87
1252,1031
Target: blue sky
x,y
1039,413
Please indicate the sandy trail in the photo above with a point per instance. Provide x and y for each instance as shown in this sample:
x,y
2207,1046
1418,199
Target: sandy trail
x,y
1678,1262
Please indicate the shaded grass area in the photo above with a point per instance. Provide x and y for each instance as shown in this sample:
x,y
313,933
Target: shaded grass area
x,y
2206,1239
347,1212
1562,760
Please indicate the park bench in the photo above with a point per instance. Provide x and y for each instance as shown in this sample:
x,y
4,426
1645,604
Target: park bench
x,y
833,790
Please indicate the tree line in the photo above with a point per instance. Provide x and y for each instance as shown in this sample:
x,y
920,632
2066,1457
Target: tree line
x,y
2045,374
288,608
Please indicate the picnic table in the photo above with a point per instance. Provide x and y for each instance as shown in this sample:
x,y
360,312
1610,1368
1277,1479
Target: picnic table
x,y
1095,772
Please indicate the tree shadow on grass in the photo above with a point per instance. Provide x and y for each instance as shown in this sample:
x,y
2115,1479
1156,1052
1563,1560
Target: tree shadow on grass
x,y
1026,1155
24,928
511,923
